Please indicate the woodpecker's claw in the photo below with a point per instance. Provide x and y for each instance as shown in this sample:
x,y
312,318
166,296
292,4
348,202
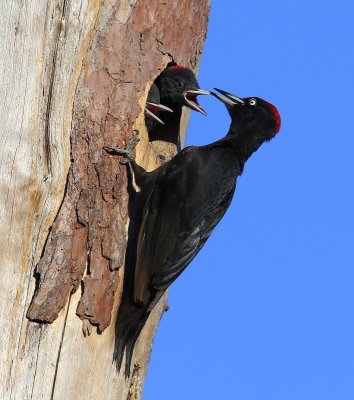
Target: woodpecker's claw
x,y
120,152
127,151
133,141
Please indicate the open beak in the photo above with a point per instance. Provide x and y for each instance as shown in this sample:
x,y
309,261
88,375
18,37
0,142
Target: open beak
x,y
229,99
152,108
190,97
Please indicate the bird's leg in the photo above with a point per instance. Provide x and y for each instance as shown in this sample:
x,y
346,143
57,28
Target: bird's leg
x,y
138,171
127,151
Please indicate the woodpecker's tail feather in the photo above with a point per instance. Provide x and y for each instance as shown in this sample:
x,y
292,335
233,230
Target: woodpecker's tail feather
x,y
130,322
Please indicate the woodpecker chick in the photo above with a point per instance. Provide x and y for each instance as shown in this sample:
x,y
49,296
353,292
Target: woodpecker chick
x,y
181,203
153,107
178,87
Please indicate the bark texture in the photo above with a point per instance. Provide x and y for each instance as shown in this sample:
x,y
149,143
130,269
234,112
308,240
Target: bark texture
x,y
75,76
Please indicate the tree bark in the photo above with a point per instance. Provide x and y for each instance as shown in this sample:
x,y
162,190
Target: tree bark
x,y
74,77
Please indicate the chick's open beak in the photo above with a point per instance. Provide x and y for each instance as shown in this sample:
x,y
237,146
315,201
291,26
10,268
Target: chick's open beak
x,y
191,99
152,108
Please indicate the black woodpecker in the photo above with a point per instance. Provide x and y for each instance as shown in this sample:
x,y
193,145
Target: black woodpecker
x,y
182,202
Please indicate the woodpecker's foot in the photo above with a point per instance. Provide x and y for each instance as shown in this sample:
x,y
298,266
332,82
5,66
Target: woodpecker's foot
x,y
134,140
128,156
127,151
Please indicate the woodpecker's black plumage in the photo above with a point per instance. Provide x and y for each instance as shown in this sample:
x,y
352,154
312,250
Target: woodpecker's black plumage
x,y
153,107
179,87
182,202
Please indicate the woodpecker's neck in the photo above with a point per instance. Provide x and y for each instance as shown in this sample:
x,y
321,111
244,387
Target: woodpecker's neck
x,y
244,142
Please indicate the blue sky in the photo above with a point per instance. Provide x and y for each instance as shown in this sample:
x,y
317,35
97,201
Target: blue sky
x,y
266,310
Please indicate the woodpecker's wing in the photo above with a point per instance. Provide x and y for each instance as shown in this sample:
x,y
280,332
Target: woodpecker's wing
x,y
178,218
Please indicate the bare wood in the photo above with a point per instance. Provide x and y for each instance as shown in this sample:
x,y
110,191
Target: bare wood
x,y
74,77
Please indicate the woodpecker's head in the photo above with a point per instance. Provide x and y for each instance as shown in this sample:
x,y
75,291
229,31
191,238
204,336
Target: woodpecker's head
x,y
178,87
153,106
251,117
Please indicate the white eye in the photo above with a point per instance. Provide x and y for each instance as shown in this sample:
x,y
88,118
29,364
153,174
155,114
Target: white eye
x,y
252,102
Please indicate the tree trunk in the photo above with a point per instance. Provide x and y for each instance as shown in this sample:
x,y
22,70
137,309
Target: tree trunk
x,y
74,77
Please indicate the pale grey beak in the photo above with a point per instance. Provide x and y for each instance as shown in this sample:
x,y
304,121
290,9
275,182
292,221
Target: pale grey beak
x,y
191,96
153,107
197,92
229,99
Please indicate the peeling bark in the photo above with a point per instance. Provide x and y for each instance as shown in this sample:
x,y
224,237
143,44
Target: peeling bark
x,y
84,82
114,78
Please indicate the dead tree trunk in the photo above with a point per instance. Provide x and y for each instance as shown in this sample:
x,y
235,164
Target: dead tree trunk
x,y
74,77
